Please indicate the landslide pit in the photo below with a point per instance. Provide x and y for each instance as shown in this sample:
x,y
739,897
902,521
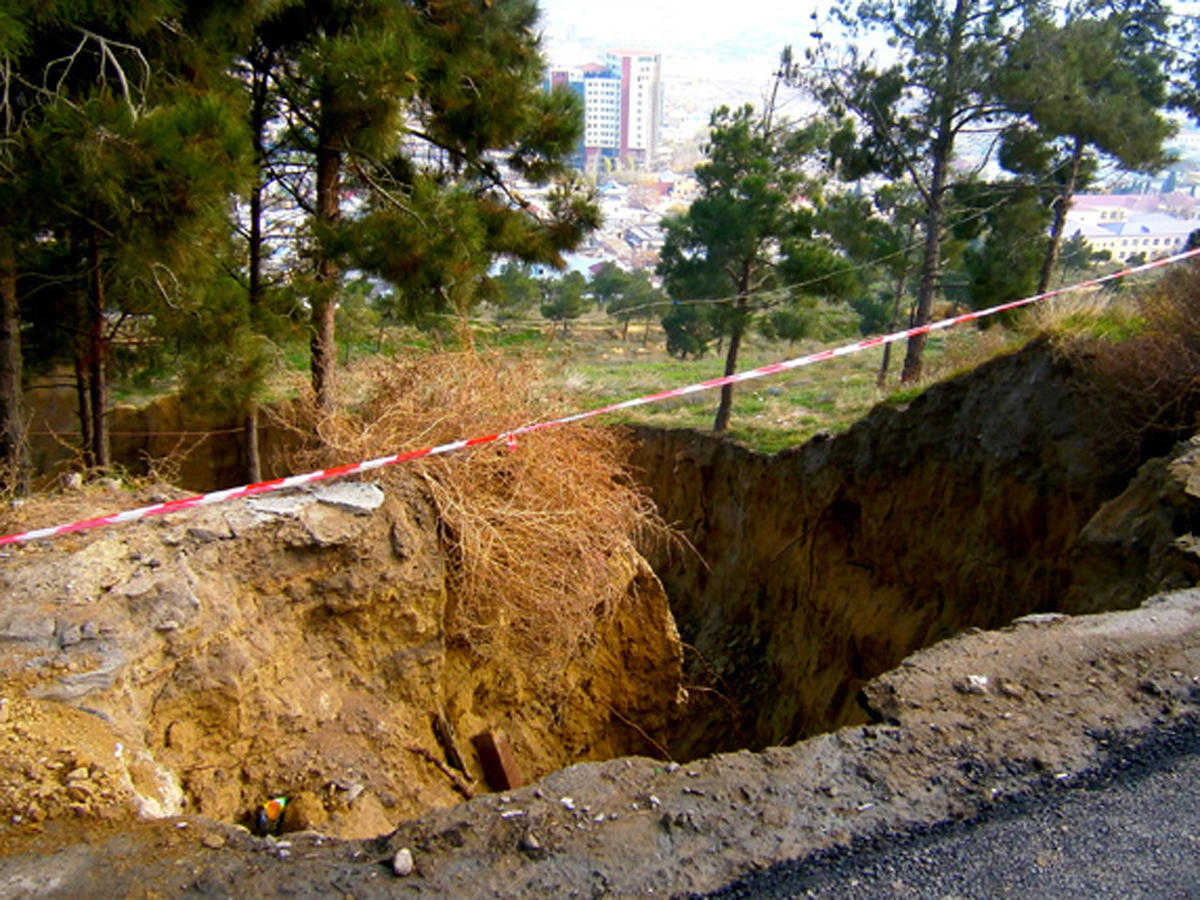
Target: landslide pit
x,y
988,497
296,645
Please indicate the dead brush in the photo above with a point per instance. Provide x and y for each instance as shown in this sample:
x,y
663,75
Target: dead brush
x,y
1147,383
535,535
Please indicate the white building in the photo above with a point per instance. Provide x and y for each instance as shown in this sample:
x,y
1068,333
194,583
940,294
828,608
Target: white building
x,y
622,103
641,101
1153,225
602,110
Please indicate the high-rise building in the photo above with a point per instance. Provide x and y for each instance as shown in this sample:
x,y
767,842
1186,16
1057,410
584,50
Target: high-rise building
x,y
622,103
641,101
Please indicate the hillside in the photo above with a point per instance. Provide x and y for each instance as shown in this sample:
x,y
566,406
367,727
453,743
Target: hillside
x,y
201,664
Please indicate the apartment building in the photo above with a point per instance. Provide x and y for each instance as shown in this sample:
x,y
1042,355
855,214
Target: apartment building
x,y
623,106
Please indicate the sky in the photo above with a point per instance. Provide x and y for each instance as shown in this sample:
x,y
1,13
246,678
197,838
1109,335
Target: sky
x,y
734,32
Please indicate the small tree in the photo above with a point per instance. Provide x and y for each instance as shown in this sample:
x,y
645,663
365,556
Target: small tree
x,y
639,299
876,227
514,291
1088,85
564,300
749,236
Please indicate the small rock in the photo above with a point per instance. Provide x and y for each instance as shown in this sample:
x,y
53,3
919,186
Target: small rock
x,y
356,497
3,709
304,812
568,802
1010,689
213,841
972,684
402,863
530,843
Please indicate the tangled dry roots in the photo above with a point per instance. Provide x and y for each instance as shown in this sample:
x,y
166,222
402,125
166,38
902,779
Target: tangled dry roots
x,y
531,532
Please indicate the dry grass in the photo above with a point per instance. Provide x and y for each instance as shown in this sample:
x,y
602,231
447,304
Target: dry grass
x,y
532,533
1143,372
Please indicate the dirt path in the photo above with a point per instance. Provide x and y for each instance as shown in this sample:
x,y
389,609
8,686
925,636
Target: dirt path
x,y
961,727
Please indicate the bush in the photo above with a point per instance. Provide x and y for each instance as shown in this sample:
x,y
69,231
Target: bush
x,y
1148,383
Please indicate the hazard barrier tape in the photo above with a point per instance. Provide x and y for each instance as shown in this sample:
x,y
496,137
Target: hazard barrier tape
x,y
280,484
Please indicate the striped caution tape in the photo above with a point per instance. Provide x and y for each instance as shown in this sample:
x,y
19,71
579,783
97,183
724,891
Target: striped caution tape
x,y
509,437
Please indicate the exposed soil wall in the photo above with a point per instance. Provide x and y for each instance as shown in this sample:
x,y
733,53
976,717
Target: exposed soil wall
x,y
295,645
821,567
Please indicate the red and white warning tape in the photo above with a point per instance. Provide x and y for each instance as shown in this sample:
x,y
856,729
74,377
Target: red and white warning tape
x,y
279,484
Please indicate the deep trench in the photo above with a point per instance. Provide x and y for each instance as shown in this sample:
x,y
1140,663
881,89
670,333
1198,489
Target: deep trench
x,y
809,572
816,569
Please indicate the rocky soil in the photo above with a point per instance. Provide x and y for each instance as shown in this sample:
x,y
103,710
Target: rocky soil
x,y
289,645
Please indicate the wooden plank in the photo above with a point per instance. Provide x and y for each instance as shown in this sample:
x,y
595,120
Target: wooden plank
x,y
499,762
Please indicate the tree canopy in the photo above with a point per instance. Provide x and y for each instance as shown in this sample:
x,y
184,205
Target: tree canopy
x,y
750,239
181,175
903,116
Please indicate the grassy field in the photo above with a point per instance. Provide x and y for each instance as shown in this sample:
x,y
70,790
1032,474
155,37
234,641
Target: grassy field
x,y
592,367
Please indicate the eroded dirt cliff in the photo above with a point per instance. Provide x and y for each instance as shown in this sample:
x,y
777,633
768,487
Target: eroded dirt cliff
x,y
824,566
298,646
292,645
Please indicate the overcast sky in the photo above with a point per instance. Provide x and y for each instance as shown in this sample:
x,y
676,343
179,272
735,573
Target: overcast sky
x,y
727,28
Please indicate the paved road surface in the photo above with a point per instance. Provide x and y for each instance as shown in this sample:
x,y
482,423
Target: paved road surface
x,y
1125,835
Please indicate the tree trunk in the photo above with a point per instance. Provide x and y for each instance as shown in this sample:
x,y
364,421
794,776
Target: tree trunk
x,y
256,242
324,300
253,458
914,358
901,287
1062,205
83,402
97,357
725,408
259,93
13,445
940,152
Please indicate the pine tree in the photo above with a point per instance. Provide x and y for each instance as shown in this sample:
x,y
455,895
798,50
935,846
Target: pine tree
x,y
1090,84
131,151
429,112
909,114
748,237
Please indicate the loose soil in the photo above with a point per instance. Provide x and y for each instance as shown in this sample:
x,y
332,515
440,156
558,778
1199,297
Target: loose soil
x,y
961,727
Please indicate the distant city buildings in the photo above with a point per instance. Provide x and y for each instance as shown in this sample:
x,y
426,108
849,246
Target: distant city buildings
x,y
1129,225
622,107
